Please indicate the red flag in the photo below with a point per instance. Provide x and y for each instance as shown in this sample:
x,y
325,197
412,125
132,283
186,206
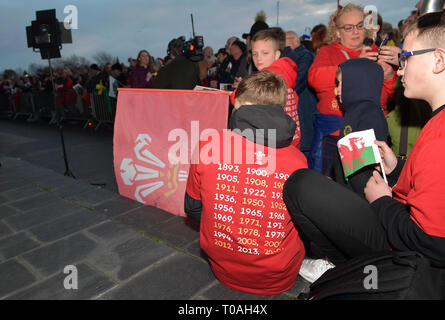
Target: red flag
x,y
155,133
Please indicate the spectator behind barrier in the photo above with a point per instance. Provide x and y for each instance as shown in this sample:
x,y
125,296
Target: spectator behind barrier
x,y
142,74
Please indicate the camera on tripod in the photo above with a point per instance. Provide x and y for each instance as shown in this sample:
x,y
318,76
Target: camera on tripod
x,y
193,48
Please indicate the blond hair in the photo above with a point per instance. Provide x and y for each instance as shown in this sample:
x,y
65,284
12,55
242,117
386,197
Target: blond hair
x,y
334,20
276,35
262,88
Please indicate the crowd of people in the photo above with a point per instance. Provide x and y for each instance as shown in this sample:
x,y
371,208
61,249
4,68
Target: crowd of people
x,y
352,77
319,95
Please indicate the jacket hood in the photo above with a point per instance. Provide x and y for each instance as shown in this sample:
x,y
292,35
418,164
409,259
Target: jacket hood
x,y
257,117
362,81
286,69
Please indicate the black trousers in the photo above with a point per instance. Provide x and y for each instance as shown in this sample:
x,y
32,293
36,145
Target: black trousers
x,y
339,222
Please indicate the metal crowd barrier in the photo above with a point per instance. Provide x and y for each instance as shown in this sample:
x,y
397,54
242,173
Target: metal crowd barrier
x,y
103,109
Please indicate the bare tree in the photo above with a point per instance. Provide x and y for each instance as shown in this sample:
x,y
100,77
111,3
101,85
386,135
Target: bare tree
x,y
102,58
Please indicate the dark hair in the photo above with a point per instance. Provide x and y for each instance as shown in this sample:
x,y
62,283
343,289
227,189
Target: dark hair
x,y
318,35
262,88
175,47
240,45
431,28
116,66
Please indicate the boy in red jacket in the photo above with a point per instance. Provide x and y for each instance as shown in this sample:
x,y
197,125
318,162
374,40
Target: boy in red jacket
x,y
245,229
267,46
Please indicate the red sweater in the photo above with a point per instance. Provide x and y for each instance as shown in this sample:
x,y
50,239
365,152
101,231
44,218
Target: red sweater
x,y
321,77
246,230
421,182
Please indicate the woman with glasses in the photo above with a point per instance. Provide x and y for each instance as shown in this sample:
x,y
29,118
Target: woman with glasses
x,y
346,33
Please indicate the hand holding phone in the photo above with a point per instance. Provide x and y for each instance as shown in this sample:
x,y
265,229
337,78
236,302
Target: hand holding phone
x,y
384,42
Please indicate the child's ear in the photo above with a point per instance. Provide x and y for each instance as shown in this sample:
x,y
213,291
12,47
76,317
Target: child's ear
x,y
277,54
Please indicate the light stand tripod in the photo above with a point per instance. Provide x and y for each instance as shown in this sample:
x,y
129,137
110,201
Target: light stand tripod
x,y
46,35
59,123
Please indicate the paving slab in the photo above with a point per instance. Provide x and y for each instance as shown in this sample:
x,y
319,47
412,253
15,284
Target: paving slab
x,y
54,257
34,202
6,211
66,225
4,230
111,233
143,218
179,277
21,277
47,213
22,192
90,283
117,206
174,231
16,244
127,259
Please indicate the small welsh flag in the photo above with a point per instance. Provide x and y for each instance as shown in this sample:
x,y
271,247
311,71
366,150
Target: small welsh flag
x,y
358,150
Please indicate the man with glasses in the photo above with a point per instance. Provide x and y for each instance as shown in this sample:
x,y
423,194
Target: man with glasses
x,y
407,214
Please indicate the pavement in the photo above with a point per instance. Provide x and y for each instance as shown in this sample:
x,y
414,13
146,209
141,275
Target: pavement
x,y
55,229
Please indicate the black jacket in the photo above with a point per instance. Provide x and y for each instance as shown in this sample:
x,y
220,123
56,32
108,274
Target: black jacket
x,y
180,73
362,81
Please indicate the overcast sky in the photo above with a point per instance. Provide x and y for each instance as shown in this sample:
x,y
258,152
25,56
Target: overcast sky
x,y
122,28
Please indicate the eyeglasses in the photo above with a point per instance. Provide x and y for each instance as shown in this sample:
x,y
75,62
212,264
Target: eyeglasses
x,y
350,27
403,56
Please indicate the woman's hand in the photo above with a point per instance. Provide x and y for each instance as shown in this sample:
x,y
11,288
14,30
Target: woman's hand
x,y
148,77
390,54
368,53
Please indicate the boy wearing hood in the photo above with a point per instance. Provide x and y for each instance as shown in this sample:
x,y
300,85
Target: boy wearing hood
x,y
359,85
245,229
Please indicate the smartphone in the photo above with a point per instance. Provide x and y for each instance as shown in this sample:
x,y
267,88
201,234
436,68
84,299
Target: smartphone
x,y
384,42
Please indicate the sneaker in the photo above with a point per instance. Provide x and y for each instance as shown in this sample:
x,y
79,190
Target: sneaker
x,y
312,269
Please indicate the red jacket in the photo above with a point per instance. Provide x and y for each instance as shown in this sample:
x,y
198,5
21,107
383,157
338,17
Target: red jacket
x,y
321,77
65,94
287,69
246,231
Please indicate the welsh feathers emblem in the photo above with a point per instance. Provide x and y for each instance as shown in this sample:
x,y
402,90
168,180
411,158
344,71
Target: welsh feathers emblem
x,y
148,173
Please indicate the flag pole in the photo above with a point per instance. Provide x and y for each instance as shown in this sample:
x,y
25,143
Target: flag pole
x,y
383,172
